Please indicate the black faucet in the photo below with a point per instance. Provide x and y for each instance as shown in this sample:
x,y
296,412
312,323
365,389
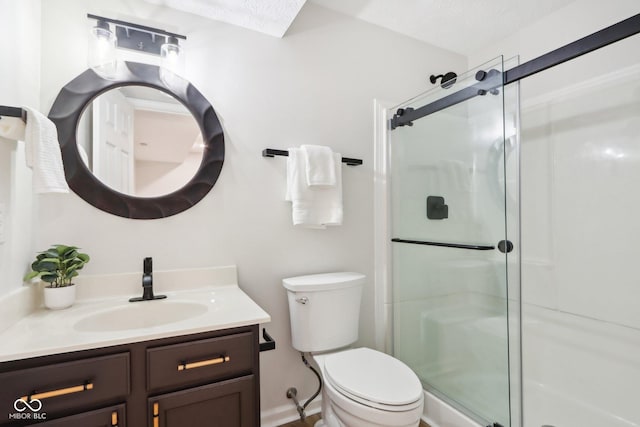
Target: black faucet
x,y
147,283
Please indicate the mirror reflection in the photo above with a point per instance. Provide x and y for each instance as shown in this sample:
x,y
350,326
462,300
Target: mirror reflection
x,y
140,141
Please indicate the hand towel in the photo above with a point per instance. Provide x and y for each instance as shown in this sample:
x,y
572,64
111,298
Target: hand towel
x,y
316,206
42,152
320,165
12,128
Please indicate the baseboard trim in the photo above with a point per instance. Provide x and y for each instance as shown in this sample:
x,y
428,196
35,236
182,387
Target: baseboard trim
x,y
280,415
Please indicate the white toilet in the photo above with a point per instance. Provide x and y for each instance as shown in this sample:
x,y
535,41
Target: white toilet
x,y
362,387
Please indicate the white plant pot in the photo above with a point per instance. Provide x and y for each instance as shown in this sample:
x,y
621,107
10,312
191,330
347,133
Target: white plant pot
x,y
59,298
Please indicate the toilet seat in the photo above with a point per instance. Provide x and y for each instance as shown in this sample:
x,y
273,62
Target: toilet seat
x,y
373,379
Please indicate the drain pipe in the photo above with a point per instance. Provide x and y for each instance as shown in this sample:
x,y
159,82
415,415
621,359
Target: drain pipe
x,y
292,392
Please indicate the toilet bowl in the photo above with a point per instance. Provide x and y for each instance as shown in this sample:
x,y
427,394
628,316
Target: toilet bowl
x,y
362,387
366,388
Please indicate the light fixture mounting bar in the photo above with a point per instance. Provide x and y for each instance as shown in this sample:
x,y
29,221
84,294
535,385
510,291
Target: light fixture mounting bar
x,y
136,26
139,38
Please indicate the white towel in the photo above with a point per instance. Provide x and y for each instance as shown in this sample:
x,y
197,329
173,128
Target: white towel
x,y
321,167
42,152
12,128
312,207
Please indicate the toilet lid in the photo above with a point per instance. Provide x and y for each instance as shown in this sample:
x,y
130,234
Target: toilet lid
x,y
373,376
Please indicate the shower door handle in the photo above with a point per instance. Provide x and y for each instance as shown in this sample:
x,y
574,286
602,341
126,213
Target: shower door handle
x,y
445,245
504,246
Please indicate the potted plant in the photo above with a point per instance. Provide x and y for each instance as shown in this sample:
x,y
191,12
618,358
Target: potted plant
x,y
57,266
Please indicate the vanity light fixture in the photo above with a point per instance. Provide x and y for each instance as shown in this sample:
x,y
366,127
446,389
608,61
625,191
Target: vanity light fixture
x,y
139,38
102,47
170,54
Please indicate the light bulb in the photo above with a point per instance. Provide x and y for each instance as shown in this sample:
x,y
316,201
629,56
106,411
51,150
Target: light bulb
x,y
102,49
170,55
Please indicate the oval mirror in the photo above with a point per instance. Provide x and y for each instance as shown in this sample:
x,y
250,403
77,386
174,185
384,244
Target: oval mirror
x,y
142,145
139,141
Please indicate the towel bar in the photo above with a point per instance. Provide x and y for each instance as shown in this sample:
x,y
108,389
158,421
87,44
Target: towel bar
x,y
270,152
269,343
13,112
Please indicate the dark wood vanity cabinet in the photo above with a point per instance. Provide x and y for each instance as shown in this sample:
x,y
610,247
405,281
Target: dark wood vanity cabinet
x,y
113,416
227,403
206,379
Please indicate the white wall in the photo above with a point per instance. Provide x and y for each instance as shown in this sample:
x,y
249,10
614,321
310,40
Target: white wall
x,y
580,139
316,85
19,86
158,178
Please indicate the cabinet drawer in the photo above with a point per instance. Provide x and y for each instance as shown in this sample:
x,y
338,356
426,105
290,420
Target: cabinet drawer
x,y
63,387
113,416
200,362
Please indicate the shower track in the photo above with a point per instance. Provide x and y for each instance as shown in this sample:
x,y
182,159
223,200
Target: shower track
x,y
595,41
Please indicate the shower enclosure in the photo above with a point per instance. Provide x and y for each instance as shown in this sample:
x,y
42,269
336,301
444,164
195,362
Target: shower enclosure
x,y
451,244
541,330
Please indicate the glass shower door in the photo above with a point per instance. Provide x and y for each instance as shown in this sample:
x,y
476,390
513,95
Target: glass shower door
x,y
450,295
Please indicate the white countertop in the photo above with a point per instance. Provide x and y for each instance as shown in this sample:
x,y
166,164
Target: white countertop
x,y
45,332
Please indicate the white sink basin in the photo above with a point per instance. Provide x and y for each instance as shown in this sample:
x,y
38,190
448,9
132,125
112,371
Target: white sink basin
x,y
137,315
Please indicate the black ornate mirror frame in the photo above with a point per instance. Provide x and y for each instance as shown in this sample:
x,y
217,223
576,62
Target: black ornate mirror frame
x,y
77,95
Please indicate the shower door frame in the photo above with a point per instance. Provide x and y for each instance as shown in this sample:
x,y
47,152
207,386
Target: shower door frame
x,y
489,123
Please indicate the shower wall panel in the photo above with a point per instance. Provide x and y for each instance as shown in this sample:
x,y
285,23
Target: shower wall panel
x,y
580,175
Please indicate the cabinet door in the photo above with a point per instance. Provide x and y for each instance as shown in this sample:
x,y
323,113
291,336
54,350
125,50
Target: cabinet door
x,y
113,416
228,403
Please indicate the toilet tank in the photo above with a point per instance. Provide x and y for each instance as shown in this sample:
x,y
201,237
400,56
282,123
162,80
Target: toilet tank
x,y
324,310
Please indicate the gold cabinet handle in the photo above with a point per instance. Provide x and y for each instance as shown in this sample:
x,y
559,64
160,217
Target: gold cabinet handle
x,y
114,419
215,361
156,415
60,392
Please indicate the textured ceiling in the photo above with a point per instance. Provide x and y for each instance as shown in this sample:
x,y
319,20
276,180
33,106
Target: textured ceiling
x,y
462,26
271,17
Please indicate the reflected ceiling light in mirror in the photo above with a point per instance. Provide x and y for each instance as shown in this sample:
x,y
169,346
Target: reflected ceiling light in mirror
x,y
102,49
198,145
138,38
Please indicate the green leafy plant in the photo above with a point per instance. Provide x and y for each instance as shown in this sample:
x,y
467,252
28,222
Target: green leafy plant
x,y
58,265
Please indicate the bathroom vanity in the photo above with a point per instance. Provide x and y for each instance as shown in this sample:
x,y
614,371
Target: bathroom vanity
x,y
168,382
190,360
